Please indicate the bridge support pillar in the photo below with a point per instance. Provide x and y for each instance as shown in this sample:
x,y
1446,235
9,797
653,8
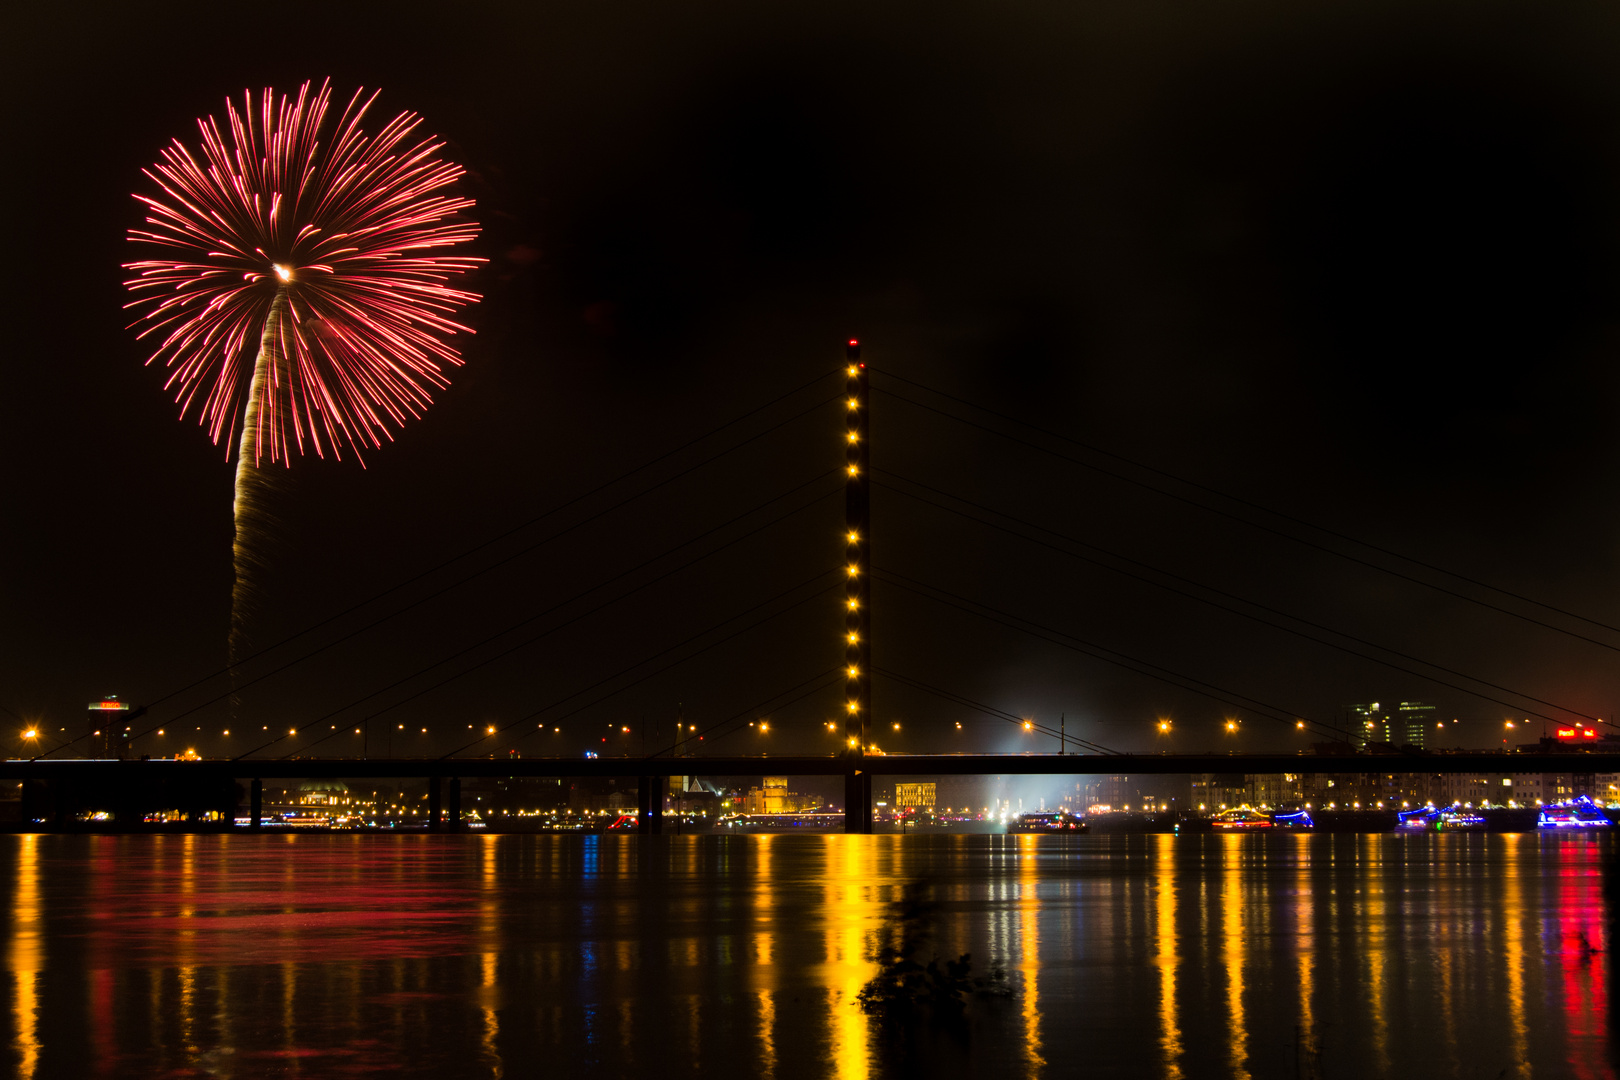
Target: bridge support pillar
x,y
858,802
650,804
454,814
256,804
435,790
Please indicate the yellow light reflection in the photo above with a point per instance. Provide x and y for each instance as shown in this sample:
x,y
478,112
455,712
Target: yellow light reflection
x,y
1167,959
289,994
1445,958
489,931
487,970
1376,949
764,909
849,864
626,1029
26,956
186,946
1029,951
1514,927
694,1030
767,1034
1232,953
764,951
1305,950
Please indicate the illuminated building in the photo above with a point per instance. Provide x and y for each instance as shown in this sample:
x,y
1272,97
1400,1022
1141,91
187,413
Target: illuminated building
x,y
324,793
1405,724
1276,789
1367,788
1169,790
109,728
773,797
1410,724
1606,787
1215,790
920,796
1527,789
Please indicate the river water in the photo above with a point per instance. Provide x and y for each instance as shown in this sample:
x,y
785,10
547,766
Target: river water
x,y
585,956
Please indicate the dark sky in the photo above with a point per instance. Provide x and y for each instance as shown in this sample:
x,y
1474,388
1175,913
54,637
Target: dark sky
x,y
1355,265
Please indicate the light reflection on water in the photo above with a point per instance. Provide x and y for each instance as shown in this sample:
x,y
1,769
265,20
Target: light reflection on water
x,y
1225,956
1166,958
25,959
1234,951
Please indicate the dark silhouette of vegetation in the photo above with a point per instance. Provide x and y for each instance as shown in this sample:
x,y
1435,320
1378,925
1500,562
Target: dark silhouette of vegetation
x,y
908,989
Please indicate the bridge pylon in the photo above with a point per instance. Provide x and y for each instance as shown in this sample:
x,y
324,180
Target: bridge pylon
x,y
857,594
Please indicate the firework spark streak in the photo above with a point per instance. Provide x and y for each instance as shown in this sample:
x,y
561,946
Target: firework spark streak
x,y
302,290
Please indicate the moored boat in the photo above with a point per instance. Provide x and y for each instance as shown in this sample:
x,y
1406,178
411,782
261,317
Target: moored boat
x,y
1047,822
1577,813
1420,820
1242,819
1456,818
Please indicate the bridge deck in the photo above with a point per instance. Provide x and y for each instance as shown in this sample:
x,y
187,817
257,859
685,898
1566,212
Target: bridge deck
x,y
881,765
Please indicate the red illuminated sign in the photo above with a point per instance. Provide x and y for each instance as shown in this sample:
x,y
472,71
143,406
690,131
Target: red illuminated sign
x,y
110,706
1577,733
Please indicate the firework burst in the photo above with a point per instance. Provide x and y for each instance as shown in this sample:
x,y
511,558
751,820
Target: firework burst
x,y
300,298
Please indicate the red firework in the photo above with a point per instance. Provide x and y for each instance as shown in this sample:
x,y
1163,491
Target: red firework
x,y
301,292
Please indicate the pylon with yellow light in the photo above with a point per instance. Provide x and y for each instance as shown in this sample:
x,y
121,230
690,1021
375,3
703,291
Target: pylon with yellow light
x,y
857,608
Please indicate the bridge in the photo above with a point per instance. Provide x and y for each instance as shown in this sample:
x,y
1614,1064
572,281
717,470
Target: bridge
x,y
444,774
858,762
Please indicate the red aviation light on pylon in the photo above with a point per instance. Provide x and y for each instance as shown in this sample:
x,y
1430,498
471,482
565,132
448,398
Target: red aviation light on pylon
x,y
852,350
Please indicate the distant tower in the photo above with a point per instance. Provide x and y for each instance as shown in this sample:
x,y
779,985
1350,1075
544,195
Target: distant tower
x,y
109,728
1411,724
1367,723
1407,724
857,595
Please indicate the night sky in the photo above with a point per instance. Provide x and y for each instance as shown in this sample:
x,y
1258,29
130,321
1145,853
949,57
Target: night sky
x,y
1354,265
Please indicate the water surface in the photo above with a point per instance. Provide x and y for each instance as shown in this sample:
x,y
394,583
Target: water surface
x,y
485,956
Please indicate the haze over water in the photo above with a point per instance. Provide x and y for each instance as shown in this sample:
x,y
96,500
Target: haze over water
x,y
565,955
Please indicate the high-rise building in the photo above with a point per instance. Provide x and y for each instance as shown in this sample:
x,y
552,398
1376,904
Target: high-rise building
x,y
1410,723
109,728
1367,722
1404,724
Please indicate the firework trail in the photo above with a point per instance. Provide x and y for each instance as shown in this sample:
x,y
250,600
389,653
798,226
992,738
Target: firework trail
x,y
301,290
